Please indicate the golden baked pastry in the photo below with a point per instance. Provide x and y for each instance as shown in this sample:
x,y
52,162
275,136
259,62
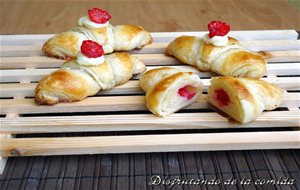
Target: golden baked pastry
x,y
168,89
86,75
243,99
112,38
221,54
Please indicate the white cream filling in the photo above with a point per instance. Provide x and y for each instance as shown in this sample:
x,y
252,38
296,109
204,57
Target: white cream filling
x,y
84,60
86,21
216,40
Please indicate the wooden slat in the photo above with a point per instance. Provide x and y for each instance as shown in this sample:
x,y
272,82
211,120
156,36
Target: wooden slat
x,y
92,104
14,116
43,61
240,35
284,56
108,104
29,62
149,143
267,45
132,87
140,122
167,36
11,89
36,74
148,59
17,75
155,48
3,160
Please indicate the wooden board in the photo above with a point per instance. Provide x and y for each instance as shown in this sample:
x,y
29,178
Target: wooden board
x,y
34,17
123,108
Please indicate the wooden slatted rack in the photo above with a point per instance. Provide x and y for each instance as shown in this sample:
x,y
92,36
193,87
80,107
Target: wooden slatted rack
x,y
123,108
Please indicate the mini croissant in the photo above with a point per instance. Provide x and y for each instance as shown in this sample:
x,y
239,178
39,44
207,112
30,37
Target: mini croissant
x,y
220,54
243,99
74,82
168,89
112,38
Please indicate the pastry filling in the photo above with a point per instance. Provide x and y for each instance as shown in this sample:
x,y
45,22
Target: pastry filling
x,y
187,92
222,97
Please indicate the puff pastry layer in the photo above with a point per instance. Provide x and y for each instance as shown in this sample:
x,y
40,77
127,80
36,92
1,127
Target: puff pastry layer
x,y
243,99
74,82
168,89
112,38
230,60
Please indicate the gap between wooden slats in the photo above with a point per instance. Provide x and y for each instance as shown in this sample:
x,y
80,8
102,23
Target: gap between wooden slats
x,y
14,116
168,36
291,108
109,104
150,143
132,87
148,59
156,48
17,75
141,122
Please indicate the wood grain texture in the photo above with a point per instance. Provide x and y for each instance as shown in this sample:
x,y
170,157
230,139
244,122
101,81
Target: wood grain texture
x,y
17,75
142,122
153,59
132,87
123,108
149,143
33,17
109,104
158,48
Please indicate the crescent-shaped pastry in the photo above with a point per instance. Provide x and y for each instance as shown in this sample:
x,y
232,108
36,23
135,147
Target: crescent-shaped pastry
x,y
112,38
221,54
74,82
168,89
243,99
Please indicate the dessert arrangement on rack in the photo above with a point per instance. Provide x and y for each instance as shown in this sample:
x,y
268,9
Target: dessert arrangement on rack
x,y
239,92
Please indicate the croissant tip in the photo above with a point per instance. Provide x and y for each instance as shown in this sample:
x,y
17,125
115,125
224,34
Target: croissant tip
x,y
43,101
265,54
49,54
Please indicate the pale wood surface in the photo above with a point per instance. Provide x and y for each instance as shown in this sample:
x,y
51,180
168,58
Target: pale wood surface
x,y
149,143
22,64
158,48
16,75
142,122
132,87
33,17
109,104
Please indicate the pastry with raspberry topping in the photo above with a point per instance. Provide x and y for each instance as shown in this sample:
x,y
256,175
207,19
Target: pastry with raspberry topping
x,y
169,90
218,53
89,73
95,26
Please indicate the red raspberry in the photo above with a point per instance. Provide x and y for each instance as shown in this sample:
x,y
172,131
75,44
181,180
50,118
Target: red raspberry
x,y
187,92
98,16
218,28
91,49
222,97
